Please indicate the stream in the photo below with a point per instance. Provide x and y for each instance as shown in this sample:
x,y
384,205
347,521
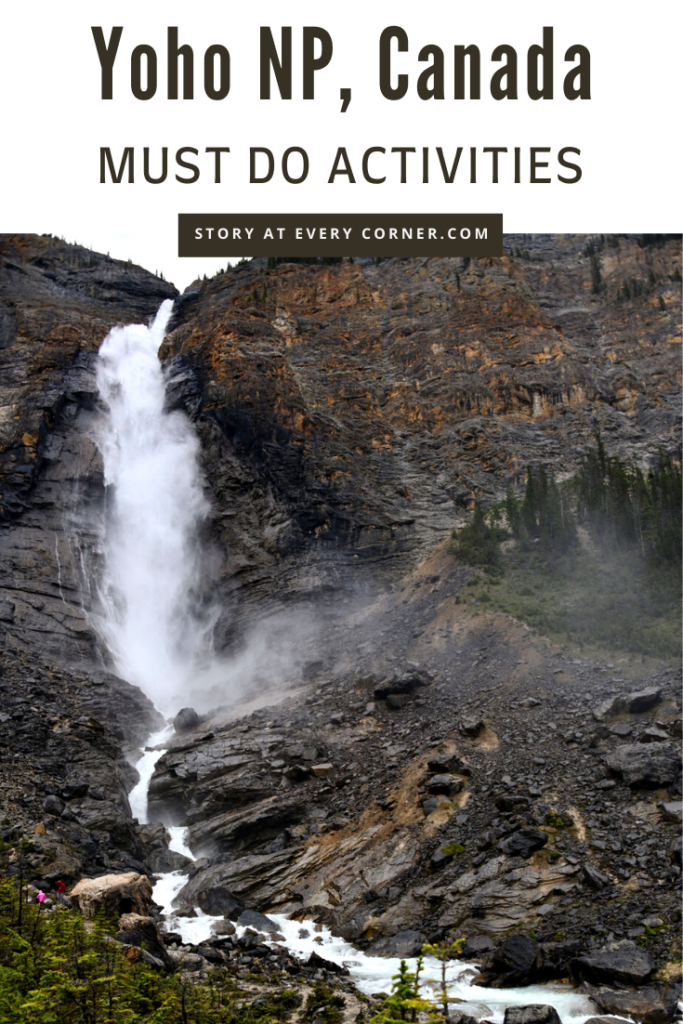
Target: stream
x,y
370,973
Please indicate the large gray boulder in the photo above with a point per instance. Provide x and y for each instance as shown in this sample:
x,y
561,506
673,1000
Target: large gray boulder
x,y
648,1005
136,930
643,700
185,720
627,964
515,961
535,1013
524,842
129,893
403,944
645,764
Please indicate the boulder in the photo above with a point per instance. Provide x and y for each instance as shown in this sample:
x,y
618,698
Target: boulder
x,y
252,919
555,957
405,683
472,727
611,706
190,962
436,803
129,893
53,805
460,1017
444,763
604,1020
648,1005
319,962
643,700
593,878
185,720
478,945
136,930
523,843
672,810
442,784
403,944
627,964
515,960
654,734
511,802
645,765
535,1013
74,789
223,928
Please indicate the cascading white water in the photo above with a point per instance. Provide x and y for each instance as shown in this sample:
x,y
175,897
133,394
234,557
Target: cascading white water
x,y
155,507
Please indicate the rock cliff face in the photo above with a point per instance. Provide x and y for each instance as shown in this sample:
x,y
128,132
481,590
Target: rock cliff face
x,y
352,412
57,303
432,769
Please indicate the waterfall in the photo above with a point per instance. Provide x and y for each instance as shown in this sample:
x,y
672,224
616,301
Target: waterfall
x,y
150,616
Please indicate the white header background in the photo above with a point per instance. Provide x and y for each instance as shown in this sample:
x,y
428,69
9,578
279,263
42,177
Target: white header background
x,y
54,120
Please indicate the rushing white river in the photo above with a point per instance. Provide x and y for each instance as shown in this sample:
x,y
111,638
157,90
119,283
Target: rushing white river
x,y
157,640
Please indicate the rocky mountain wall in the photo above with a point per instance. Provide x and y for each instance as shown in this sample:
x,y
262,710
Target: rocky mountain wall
x,y
57,303
351,414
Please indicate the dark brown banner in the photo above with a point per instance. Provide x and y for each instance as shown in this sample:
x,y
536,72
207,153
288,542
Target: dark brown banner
x,y
338,234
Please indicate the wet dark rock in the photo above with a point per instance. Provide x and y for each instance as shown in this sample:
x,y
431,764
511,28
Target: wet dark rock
x,y
514,961
594,878
649,1004
654,734
443,784
628,964
456,1016
605,1020
404,684
53,805
439,859
433,803
645,765
621,729
643,700
318,962
252,919
74,789
478,945
672,810
403,944
555,958
136,930
210,893
445,763
472,727
535,1013
524,842
512,802
185,720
